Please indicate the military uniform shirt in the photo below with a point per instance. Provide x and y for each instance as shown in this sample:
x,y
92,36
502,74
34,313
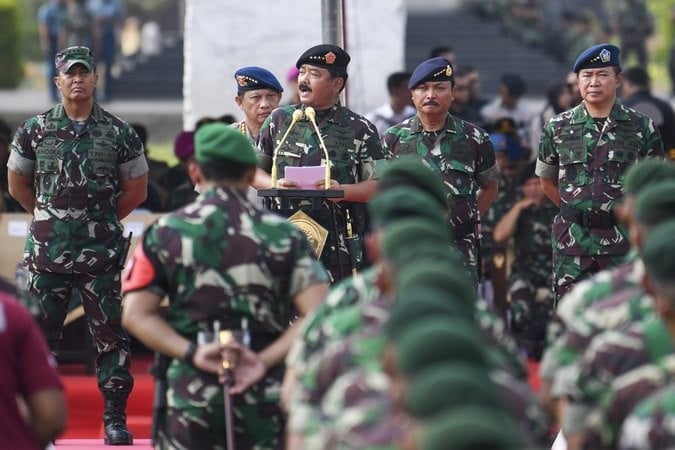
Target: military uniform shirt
x,y
353,145
463,155
77,177
589,160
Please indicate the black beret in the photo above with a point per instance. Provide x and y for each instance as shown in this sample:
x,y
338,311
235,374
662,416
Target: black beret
x,y
327,56
601,55
434,69
252,78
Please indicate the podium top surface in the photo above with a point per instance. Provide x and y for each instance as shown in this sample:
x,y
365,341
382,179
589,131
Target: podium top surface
x,y
301,193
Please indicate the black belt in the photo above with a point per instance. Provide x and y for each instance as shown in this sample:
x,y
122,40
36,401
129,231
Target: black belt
x,y
588,219
463,229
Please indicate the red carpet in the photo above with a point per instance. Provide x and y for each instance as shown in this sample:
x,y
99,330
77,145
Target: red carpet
x,y
85,404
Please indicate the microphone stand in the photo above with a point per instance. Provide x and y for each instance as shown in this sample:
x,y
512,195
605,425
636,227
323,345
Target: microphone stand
x,y
297,115
311,115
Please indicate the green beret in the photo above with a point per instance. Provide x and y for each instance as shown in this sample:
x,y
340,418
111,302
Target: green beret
x,y
412,171
413,232
655,203
219,141
449,386
471,428
448,276
439,339
405,201
658,252
647,172
420,302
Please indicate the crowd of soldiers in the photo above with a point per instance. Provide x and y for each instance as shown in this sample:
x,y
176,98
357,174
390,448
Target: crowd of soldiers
x,y
356,314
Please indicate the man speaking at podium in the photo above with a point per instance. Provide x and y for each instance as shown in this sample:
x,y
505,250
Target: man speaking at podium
x,y
348,139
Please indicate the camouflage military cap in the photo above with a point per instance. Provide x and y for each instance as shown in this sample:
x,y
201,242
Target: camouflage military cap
x,y
251,78
601,55
647,172
412,171
655,203
219,141
327,56
439,339
403,202
447,276
658,252
433,69
67,58
471,427
447,386
420,302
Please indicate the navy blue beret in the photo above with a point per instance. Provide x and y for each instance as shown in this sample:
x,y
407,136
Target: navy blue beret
x,y
601,55
251,78
434,69
325,55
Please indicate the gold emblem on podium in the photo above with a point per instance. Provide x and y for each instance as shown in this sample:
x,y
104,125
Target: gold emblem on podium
x,y
316,234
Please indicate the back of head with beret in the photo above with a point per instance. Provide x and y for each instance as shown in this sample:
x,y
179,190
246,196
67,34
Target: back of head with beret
x,y
412,171
645,173
447,386
448,275
440,339
220,142
471,428
405,202
184,145
658,252
422,302
655,203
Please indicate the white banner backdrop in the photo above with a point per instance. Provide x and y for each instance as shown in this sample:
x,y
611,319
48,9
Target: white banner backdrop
x,y
224,35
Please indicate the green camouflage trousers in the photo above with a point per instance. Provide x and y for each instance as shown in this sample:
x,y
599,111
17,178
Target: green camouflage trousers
x,y
196,412
100,293
569,270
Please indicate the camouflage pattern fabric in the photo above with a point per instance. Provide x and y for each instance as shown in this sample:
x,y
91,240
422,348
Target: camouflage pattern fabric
x,y
77,176
623,396
354,151
75,236
509,193
611,355
223,259
650,425
463,155
573,305
531,273
589,159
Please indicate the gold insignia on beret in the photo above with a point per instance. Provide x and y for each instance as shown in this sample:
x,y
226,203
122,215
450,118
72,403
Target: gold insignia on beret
x,y
329,57
446,71
244,80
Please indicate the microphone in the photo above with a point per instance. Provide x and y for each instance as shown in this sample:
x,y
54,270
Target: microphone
x,y
311,115
297,115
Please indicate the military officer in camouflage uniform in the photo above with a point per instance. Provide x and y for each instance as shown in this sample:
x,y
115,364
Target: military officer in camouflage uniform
x,y
80,170
583,155
352,144
458,150
221,259
530,299
258,94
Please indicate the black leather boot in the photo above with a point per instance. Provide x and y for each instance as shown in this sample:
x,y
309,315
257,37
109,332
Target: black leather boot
x,y
115,429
